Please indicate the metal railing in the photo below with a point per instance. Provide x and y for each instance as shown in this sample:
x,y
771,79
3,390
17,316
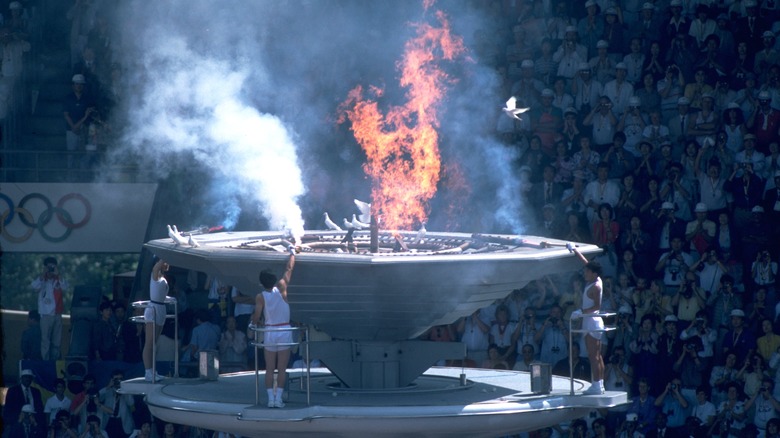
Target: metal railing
x,y
259,333
142,320
572,330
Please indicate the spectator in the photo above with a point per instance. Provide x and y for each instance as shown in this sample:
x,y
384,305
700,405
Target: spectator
x,y
473,331
26,425
77,109
103,338
739,340
494,361
85,403
599,192
527,355
672,407
93,429
703,409
232,344
525,331
57,402
553,337
116,408
60,427
18,396
579,364
586,89
501,335
50,287
643,405
31,337
603,122
205,336
766,406
731,412
700,232
702,337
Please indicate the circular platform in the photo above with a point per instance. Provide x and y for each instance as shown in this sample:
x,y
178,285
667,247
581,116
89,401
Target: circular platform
x,y
490,403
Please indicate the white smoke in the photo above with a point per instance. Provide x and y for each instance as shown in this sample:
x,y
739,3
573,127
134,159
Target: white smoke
x,y
195,103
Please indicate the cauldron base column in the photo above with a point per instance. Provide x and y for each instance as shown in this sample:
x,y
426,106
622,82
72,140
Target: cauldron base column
x,y
382,365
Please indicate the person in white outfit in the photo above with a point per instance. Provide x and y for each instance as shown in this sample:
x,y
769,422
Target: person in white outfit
x,y
272,302
592,325
154,316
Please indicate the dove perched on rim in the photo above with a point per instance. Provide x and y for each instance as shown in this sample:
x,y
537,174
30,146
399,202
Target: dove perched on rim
x,y
174,234
511,109
329,223
357,224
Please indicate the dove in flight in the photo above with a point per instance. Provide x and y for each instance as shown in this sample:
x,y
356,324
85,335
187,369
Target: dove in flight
x,y
329,223
365,210
511,109
174,234
357,224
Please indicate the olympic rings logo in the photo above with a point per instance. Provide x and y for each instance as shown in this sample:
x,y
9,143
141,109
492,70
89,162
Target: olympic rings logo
x,y
51,211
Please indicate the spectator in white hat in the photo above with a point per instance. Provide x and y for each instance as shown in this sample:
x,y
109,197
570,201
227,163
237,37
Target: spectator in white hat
x,y
700,232
634,61
77,109
586,89
570,54
601,64
591,27
619,90
20,395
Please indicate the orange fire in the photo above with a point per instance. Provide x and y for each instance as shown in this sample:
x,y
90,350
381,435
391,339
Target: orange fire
x,y
401,146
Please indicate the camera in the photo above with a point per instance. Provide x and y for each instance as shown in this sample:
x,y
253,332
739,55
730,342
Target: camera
x,y
673,386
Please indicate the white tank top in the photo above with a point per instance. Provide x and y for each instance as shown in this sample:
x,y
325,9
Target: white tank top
x,y
158,290
588,302
276,310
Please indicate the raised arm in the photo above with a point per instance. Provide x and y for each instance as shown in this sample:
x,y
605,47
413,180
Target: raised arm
x,y
285,280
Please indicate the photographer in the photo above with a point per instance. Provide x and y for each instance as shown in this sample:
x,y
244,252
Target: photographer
x,y
767,406
26,426
689,299
553,337
116,408
50,287
699,332
618,375
690,368
85,403
93,430
60,426
674,264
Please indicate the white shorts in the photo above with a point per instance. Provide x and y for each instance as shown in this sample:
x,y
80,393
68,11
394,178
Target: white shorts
x,y
272,339
593,326
155,313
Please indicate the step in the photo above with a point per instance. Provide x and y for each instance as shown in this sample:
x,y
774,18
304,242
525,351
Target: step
x,y
50,142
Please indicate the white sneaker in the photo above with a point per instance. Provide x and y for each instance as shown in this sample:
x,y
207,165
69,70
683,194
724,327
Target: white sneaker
x,y
148,377
594,389
278,403
271,403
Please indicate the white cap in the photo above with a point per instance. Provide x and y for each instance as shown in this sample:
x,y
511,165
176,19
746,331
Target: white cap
x,y
634,101
758,209
737,312
602,44
764,95
590,3
667,206
621,66
30,409
548,93
768,34
78,79
583,66
701,208
648,5
670,318
27,372
527,63
683,101
571,29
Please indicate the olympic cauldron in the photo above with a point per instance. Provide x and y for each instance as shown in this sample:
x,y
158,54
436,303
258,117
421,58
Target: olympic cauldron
x,y
376,291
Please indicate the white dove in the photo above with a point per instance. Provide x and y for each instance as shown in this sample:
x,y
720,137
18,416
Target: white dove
x,y
329,223
357,224
192,242
173,233
348,225
421,233
511,109
365,210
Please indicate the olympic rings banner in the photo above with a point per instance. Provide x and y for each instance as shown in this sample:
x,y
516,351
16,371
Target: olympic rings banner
x,y
39,217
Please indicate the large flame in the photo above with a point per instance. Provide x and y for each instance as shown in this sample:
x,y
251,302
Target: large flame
x,y
402,145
